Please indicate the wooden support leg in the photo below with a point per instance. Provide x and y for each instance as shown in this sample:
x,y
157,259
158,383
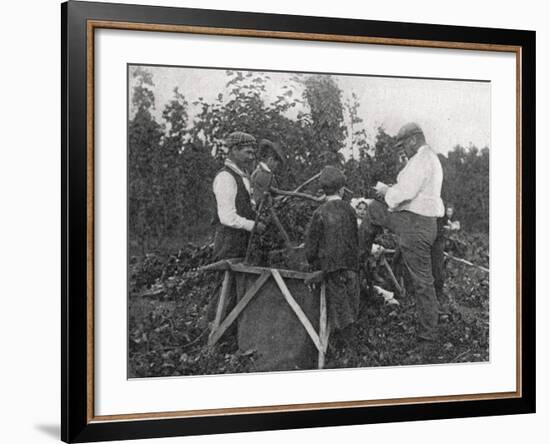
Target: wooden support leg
x,y
392,276
323,327
224,292
216,335
297,309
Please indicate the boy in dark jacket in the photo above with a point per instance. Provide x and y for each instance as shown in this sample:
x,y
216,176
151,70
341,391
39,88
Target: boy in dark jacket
x,y
264,177
332,246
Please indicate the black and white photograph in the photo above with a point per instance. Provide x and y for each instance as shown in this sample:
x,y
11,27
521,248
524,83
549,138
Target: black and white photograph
x,y
282,221
265,222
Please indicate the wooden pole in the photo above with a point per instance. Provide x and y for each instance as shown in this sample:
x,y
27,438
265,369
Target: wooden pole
x,y
300,187
323,328
254,228
307,182
280,227
464,261
450,256
216,266
301,195
392,276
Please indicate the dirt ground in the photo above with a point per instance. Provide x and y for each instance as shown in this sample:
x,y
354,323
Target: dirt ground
x,y
170,307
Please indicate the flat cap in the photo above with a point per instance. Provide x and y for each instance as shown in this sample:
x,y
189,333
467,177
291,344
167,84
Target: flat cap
x,y
268,147
331,179
240,138
407,130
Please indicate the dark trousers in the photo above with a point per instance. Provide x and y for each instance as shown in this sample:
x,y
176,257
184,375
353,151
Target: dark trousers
x,y
416,235
342,298
438,266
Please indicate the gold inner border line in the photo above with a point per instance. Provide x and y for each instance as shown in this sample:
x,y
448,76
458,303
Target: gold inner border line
x,y
299,36
90,108
519,222
303,407
96,24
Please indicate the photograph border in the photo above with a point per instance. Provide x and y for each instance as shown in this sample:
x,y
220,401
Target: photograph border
x,y
79,22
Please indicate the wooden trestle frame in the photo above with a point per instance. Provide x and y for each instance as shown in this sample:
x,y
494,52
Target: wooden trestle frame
x,y
221,323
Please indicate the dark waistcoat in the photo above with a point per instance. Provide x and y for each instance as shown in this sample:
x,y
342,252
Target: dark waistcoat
x,y
231,242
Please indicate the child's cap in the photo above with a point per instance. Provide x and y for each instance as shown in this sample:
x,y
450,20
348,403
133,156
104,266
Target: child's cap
x,y
332,179
356,201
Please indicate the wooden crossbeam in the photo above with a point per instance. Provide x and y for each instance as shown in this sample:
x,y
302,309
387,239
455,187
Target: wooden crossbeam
x,y
297,309
252,269
290,274
250,293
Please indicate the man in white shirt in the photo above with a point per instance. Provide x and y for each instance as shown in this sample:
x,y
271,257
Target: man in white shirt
x,y
234,208
413,206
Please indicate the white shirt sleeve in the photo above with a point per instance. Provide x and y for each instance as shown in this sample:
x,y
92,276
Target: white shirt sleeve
x,y
225,190
409,182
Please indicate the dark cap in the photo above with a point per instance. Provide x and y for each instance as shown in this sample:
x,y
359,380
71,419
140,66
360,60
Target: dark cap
x,y
331,179
267,148
239,138
408,130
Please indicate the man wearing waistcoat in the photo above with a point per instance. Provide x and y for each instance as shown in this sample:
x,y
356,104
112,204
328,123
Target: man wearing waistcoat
x,y
235,214
412,207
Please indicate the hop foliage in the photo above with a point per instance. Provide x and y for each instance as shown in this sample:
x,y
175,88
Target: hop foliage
x,y
172,163
466,186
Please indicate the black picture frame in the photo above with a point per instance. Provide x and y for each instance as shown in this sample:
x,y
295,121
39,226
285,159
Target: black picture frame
x,y
77,424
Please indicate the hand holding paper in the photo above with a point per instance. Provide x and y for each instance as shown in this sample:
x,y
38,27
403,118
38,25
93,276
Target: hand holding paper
x,y
381,188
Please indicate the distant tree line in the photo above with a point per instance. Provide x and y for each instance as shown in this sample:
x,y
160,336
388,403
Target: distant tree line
x,y
171,163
